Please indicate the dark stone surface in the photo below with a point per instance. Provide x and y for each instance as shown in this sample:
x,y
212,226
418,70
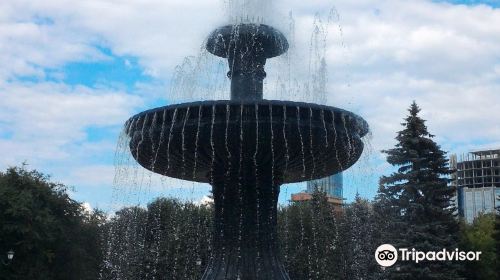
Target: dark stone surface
x,y
299,141
246,47
245,245
262,39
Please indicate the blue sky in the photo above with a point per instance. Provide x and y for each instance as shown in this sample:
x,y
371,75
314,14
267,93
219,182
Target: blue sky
x,y
492,3
72,73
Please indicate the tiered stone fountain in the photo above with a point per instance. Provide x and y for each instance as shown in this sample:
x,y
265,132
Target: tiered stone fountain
x,y
246,147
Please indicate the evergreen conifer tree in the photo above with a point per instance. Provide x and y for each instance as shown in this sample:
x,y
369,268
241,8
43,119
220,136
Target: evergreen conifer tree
x,y
418,201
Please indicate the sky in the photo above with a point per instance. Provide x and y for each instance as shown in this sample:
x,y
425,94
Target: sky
x,y
72,73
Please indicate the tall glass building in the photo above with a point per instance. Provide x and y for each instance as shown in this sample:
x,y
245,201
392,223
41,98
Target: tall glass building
x,y
333,185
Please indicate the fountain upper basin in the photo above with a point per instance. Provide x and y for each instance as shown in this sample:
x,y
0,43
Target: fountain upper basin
x,y
297,141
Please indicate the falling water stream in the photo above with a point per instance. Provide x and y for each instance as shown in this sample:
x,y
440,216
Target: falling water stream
x,y
139,241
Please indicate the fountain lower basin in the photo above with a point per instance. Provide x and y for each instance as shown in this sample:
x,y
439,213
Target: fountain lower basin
x,y
298,141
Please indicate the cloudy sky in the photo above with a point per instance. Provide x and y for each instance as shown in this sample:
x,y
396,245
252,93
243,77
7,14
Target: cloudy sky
x,y
72,72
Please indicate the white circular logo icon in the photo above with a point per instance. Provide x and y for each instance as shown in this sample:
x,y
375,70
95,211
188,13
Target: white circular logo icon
x,y
386,255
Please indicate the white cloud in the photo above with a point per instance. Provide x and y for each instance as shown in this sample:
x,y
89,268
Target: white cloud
x,y
381,56
97,176
205,200
28,47
155,31
45,125
443,56
53,110
51,116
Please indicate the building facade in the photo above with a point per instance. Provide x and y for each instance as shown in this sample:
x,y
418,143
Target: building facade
x,y
477,181
332,186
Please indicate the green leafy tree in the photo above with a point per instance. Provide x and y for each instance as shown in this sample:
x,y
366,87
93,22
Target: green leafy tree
x,y
309,239
52,236
168,240
125,243
479,237
419,197
496,236
358,232
179,237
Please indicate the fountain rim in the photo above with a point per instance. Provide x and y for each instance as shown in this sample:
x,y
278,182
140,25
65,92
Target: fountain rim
x,y
362,123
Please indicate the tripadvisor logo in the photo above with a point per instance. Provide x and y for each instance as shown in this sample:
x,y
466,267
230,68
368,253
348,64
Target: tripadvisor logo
x,y
387,255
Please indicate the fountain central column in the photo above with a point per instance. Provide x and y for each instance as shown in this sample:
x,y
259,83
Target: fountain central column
x,y
245,225
245,189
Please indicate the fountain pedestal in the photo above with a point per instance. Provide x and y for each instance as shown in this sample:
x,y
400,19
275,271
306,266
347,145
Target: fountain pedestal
x,y
245,226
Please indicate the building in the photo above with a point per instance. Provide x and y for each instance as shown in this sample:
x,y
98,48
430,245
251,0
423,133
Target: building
x,y
477,181
332,186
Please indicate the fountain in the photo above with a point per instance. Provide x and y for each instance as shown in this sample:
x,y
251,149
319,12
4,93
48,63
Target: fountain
x,y
246,147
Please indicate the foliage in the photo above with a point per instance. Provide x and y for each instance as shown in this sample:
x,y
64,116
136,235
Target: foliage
x,y
52,236
478,237
308,232
496,237
168,240
359,236
125,250
418,200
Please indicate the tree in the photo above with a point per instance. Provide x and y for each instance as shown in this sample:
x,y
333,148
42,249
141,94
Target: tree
x,y
52,236
496,237
125,243
419,195
168,240
179,236
358,232
478,237
309,239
